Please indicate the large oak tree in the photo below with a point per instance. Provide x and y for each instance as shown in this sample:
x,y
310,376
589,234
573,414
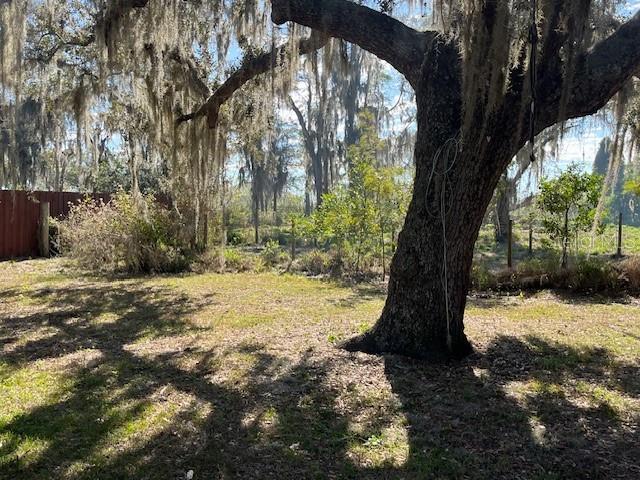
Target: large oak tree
x,y
472,119
465,141
490,77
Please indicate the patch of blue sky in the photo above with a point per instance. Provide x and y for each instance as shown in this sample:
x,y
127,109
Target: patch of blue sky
x,y
631,7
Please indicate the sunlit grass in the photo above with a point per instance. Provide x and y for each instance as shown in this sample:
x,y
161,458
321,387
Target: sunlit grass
x,y
151,377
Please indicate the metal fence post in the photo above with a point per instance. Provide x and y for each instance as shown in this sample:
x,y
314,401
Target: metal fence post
x,y
619,252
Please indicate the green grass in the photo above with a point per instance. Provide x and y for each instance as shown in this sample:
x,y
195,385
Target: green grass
x,y
239,376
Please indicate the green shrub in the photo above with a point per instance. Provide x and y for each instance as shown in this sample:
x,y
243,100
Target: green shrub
x,y
593,274
482,278
273,254
239,261
238,237
257,264
126,234
234,260
314,262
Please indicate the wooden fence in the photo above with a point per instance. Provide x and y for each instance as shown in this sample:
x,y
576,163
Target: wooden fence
x,y
20,216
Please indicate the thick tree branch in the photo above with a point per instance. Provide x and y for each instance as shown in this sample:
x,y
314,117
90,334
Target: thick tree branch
x,y
600,74
300,117
251,68
194,73
387,38
46,56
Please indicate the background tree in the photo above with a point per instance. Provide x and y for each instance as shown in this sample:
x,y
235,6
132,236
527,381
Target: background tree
x,y
506,193
602,158
568,204
362,217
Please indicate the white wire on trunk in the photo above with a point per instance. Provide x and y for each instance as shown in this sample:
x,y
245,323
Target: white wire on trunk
x,y
449,149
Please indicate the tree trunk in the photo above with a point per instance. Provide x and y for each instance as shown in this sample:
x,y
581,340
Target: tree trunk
x,y
256,218
503,200
318,178
430,271
565,240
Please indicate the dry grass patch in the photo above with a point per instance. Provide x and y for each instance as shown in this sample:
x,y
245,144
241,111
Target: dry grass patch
x,y
238,376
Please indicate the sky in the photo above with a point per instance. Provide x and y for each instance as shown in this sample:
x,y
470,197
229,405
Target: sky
x,y
578,148
634,6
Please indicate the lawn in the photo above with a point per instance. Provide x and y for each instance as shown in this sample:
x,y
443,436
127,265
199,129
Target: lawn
x,y
238,376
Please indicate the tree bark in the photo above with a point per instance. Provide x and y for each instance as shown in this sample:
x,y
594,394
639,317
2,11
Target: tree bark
x,y
503,204
430,271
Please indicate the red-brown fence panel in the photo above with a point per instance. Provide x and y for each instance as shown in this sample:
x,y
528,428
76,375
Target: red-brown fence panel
x,y
20,214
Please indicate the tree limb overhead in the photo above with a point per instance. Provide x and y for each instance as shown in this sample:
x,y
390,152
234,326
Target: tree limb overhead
x,y
251,68
387,38
600,74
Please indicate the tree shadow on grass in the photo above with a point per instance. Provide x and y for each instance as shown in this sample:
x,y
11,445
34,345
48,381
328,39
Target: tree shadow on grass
x,y
80,317
506,413
487,300
212,427
360,293
157,410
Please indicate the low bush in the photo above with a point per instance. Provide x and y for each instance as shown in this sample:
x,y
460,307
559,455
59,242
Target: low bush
x,y
314,262
238,261
238,237
126,234
482,278
584,275
234,260
593,274
629,272
340,263
273,254
538,266
211,260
